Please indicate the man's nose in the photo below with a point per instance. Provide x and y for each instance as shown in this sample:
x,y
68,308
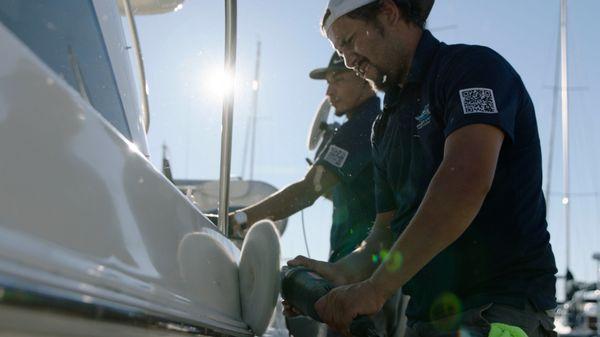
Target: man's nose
x,y
330,90
350,60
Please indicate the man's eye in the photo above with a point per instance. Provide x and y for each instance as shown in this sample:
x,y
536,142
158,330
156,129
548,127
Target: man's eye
x,y
350,42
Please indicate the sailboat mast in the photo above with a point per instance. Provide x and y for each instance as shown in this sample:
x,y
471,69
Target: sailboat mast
x,y
255,87
565,127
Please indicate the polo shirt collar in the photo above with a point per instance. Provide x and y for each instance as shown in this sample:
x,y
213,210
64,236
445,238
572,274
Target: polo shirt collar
x,y
370,104
424,55
426,50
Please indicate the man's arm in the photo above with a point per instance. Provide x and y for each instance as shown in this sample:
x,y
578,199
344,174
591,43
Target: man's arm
x,y
360,264
453,199
294,197
365,259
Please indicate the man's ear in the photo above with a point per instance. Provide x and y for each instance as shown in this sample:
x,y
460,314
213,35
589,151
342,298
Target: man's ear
x,y
389,13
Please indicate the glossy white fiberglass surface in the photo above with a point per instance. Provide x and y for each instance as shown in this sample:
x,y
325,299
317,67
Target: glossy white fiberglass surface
x,y
151,7
119,52
16,322
79,203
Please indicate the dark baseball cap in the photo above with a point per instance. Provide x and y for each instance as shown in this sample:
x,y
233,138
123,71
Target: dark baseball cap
x,y
336,64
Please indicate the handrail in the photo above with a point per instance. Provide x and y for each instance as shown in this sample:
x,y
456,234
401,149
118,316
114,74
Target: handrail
x,y
227,120
140,64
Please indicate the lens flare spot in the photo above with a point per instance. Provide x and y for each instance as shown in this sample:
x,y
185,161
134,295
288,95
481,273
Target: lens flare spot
x,y
445,311
375,258
383,254
394,261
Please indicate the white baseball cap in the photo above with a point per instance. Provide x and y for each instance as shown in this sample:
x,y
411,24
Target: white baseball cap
x,y
339,8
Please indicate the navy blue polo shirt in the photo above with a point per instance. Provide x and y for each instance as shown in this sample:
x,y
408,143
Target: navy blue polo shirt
x,y
505,255
348,156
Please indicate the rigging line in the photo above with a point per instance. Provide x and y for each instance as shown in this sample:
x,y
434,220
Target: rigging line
x,y
255,88
187,136
597,226
245,153
552,127
304,233
565,126
251,125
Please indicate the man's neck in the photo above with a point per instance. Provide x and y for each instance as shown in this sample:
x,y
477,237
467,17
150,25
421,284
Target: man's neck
x,y
414,40
352,112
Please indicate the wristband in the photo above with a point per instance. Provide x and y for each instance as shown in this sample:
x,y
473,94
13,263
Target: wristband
x,y
241,218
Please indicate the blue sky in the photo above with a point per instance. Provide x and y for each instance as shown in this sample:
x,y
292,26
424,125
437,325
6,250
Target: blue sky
x,y
184,50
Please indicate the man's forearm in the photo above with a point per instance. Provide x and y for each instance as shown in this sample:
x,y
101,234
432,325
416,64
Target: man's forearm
x,y
281,204
364,260
448,208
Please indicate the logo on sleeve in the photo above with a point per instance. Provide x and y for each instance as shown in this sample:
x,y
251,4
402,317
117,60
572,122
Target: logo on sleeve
x,y
478,100
336,156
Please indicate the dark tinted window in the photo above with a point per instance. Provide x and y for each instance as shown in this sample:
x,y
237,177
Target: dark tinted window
x,y
65,34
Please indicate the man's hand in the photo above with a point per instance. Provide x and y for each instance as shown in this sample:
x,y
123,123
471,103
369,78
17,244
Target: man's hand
x,y
341,305
289,310
327,270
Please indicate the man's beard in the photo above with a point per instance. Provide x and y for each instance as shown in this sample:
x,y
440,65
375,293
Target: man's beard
x,y
381,83
385,80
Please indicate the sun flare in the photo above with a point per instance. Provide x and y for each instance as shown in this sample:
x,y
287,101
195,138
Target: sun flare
x,y
220,83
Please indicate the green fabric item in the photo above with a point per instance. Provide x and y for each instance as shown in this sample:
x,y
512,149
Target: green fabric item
x,y
505,330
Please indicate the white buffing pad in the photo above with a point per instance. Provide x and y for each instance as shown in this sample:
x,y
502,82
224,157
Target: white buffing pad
x,y
210,272
259,275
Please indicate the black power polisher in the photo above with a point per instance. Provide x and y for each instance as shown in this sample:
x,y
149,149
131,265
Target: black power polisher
x,y
301,288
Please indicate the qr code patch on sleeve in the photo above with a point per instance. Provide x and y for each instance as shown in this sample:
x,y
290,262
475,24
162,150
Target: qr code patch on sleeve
x,y
478,100
336,156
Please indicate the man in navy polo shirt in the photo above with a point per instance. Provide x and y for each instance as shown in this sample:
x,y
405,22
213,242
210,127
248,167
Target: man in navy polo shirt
x,y
458,183
343,167
348,157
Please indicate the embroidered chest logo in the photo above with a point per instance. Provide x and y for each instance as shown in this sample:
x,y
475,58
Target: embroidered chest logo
x,y
424,118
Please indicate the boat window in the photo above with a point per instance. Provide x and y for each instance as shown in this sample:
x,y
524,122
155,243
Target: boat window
x,y
67,37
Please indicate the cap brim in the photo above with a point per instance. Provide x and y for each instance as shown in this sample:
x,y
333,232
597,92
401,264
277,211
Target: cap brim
x,y
321,73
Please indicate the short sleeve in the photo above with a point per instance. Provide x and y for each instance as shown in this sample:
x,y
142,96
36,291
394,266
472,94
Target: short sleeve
x,y
479,87
348,152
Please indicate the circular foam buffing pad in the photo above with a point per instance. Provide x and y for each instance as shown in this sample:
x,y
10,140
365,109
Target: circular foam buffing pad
x,y
259,275
210,272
